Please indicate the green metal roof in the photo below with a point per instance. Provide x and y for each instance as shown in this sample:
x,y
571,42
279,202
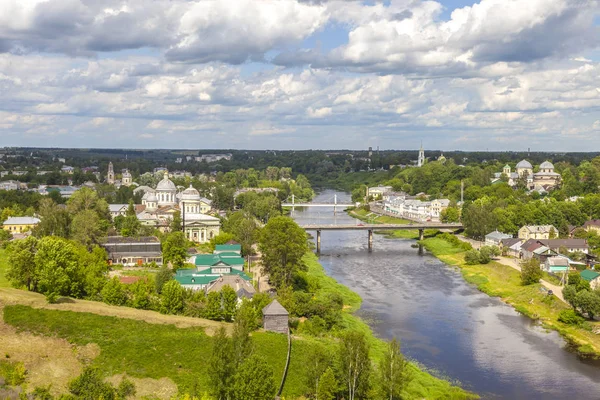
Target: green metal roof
x,y
229,247
589,275
228,254
213,259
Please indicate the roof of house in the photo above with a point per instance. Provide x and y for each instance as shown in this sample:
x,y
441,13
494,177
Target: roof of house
x,y
497,235
589,275
558,261
22,221
117,207
130,240
510,242
593,222
539,228
214,259
196,279
228,247
240,285
274,309
568,243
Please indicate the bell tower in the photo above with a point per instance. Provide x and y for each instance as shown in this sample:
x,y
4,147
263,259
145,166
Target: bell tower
x,y
110,177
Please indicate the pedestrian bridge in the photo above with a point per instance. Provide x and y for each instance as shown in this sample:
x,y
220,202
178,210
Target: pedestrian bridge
x,y
376,227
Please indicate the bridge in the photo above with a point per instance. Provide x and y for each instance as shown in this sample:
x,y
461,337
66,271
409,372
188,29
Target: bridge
x,y
376,227
335,204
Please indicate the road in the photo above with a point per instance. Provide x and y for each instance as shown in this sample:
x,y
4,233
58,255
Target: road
x,y
514,263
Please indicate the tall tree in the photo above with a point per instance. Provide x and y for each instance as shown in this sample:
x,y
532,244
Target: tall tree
x,y
176,222
21,260
282,244
328,385
394,373
55,220
220,366
86,229
229,300
55,263
254,380
356,365
130,225
172,298
175,249
244,323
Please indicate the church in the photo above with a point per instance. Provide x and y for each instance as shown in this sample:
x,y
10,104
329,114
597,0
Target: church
x,y
161,203
543,180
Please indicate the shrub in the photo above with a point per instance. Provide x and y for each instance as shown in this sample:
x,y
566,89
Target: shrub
x,y
472,257
530,272
114,292
570,317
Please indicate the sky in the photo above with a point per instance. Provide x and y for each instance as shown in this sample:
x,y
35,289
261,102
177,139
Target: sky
x,y
301,74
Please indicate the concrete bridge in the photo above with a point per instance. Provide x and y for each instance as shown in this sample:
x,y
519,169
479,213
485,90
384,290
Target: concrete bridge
x,y
376,227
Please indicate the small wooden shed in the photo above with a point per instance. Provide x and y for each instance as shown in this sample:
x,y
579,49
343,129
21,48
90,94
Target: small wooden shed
x,y
275,318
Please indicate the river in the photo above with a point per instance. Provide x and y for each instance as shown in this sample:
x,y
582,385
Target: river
x,y
445,323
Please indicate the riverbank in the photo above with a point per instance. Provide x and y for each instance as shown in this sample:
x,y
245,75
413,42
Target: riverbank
x,y
500,280
423,385
374,218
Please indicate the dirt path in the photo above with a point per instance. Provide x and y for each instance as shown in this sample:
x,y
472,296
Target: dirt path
x,y
513,263
35,300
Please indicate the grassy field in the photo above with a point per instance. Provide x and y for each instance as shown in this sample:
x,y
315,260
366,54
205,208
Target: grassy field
x,y
3,268
363,215
502,281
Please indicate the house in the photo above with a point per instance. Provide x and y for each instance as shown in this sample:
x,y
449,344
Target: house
x,y
537,232
511,247
67,169
118,209
228,248
275,318
437,206
20,224
535,249
132,251
592,277
201,279
220,264
592,226
544,248
11,185
242,287
378,191
495,238
556,265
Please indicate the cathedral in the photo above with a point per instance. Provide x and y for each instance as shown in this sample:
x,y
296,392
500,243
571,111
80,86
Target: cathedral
x,y
161,203
543,180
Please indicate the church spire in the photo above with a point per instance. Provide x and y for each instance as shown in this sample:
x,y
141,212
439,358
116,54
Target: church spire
x,y
421,159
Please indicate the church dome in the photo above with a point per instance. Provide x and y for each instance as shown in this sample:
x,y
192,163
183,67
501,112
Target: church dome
x,y
524,164
166,185
546,165
151,198
190,194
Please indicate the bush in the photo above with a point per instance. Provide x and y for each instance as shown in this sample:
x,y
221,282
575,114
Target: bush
x,y
453,240
114,292
570,317
530,272
472,257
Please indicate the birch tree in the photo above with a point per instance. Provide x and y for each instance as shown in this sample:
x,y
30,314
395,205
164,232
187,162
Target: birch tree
x,y
356,365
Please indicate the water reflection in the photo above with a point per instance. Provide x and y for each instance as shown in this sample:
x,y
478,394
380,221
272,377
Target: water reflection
x,y
448,325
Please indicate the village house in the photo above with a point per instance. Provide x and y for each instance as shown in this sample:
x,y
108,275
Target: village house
x,y
592,277
243,288
592,226
545,247
377,192
537,232
275,318
20,224
511,247
133,251
12,185
534,249
557,265
495,238
437,207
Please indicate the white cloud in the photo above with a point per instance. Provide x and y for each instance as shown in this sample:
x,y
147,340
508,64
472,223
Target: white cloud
x,y
318,112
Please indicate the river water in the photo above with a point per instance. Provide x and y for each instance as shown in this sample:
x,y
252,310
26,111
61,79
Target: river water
x,y
445,323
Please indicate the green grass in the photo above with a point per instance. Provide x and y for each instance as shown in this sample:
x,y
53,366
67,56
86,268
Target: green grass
x,y
3,268
502,281
363,215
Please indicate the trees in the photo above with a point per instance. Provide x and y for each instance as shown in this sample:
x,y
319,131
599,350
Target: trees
x,y
55,220
114,292
86,229
172,298
450,215
328,385
319,363
394,373
21,260
175,249
55,263
163,276
355,364
229,300
244,229
588,302
254,380
530,272
244,323
220,366
176,222
569,293
130,224
282,244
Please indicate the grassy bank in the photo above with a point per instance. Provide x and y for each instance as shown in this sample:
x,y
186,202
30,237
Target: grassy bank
x,y
502,281
364,216
3,268
423,385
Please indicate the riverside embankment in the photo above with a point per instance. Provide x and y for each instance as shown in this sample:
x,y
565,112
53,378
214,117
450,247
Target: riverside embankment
x,y
445,323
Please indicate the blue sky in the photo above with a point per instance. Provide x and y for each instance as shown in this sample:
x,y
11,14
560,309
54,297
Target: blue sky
x,y
299,74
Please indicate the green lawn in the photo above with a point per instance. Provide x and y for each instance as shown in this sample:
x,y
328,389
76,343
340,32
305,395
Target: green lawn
x,y
502,281
3,268
363,215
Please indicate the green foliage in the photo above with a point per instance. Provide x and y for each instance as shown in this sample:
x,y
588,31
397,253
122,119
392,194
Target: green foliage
x,y
282,244
394,372
14,373
229,300
172,298
588,302
530,272
244,228
472,257
453,240
221,366
21,258
254,380
569,293
356,365
214,310
163,276
176,222
328,385
114,292
175,249
570,317
450,215
56,266
90,386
